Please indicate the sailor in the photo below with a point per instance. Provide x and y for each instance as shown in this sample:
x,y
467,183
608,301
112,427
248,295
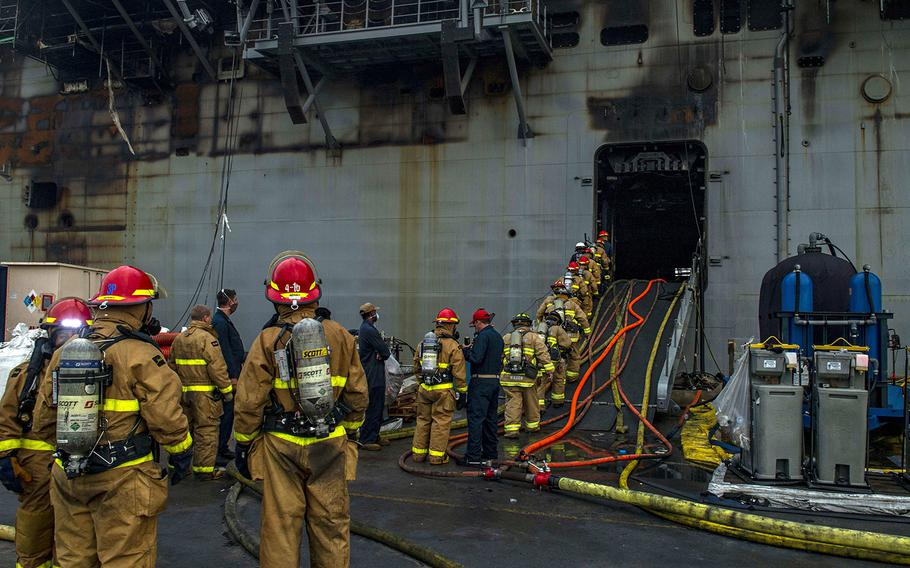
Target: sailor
x,y
443,388
27,454
574,322
485,357
373,352
293,412
107,499
524,357
197,357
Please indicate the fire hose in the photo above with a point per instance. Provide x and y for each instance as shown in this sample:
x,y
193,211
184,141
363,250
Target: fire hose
x,y
848,543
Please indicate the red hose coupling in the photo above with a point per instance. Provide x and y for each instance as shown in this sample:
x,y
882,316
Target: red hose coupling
x,y
542,479
489,473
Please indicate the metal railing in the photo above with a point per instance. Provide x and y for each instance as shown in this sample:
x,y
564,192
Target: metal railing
x,y
331,16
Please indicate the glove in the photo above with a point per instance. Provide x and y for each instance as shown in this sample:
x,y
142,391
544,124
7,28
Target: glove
x,y
8,475
180,466
241,455
461,400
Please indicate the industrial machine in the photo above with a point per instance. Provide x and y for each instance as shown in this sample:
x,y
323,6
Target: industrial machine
x,y
776,397
840,405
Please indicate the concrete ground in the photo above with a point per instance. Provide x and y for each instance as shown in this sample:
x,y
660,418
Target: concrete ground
x,y
476,523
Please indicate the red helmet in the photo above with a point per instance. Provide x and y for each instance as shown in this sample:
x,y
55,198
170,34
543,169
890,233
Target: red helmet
x,y
292,280
583,260
558,285
446,315
603,235
71,313
573,265
126,286
482,314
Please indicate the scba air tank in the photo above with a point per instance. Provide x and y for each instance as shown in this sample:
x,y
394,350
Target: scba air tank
x,y
429,353
866,298
796,297
312,370
79,381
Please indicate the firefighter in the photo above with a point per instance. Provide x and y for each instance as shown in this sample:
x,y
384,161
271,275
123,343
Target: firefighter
x,y
588,276
524,357
560,344
293,412
574,322
27,454
443,388
596,271
580,289
602,249
198,359
107,500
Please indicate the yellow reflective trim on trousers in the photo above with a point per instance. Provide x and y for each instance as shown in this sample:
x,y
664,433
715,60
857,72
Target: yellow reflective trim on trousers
x,y
532,425
245,438
203,469
308,441
352,425
551,341
191,362
121,405
37,445
146,458
512,427
555,396
179,447
587,331
436,387
542,401
48,564
503,383
572,373
11,444
574,339
418,450
436,453
199,388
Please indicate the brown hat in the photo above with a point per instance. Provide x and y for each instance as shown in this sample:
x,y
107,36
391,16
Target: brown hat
x,y
367,308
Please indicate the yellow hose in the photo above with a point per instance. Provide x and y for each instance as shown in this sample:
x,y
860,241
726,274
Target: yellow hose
x,y
640,439
7,533
734,522
764,530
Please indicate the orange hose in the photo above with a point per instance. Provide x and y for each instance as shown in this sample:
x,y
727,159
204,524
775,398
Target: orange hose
x,y
573,410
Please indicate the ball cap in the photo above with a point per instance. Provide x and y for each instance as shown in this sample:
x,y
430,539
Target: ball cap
x,y
482,314
367,308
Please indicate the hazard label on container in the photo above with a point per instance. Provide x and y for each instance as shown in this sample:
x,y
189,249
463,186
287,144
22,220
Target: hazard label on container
x,y
32,301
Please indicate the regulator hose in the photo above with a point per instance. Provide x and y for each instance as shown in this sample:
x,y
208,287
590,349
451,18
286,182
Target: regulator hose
x,y
250,542
7,533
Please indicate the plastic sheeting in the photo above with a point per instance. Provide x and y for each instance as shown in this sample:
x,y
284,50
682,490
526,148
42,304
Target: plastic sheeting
x,y
807,500
694,436
395,375
17,350
733,405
